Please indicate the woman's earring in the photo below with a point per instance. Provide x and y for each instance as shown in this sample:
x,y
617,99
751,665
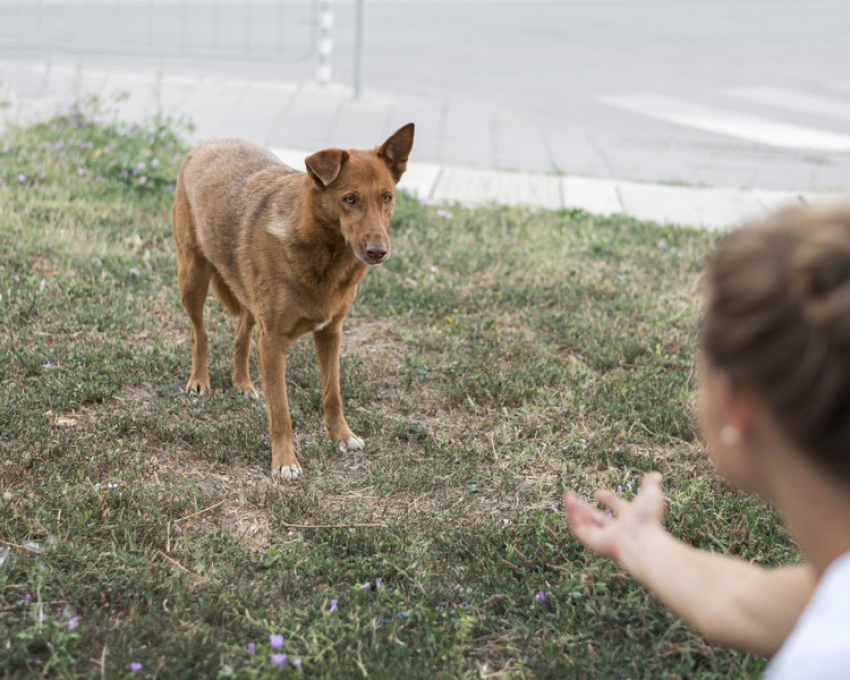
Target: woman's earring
x,y
730,435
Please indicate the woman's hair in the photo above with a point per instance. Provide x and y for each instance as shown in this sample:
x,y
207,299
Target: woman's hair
x,y
777,321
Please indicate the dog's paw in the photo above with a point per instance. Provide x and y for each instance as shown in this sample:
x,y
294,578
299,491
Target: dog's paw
x,y
197,386
353,443
287,472
247,391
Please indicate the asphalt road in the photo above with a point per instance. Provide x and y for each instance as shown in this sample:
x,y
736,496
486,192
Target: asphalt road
x,y
716,92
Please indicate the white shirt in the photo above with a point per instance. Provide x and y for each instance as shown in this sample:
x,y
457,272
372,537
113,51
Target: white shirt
x,y
819,646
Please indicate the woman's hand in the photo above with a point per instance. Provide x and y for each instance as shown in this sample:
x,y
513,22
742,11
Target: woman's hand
x,y
611,535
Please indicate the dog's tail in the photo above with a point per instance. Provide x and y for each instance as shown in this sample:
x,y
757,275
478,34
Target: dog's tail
x,y
222,292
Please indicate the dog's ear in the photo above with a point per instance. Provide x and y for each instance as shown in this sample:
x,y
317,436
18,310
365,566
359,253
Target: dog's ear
x,y
324,166
396,149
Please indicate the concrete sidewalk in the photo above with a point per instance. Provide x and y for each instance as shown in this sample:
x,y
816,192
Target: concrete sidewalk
x,y
296,119
686,206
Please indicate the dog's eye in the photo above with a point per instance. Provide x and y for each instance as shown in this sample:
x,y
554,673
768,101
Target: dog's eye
x,y
351,200
388,198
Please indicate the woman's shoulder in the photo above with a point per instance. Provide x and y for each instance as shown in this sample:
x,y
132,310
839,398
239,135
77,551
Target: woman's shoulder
x,y
819,645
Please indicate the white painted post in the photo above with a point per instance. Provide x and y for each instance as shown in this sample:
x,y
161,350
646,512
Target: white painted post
x,y
358,48
325,45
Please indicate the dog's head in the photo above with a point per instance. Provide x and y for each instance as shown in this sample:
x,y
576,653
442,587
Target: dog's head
x,y
356,189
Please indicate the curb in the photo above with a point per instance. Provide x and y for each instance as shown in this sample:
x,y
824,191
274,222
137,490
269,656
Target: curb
x,y
703,207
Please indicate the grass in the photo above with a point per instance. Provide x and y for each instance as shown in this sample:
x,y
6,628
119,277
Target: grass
x,y
499,358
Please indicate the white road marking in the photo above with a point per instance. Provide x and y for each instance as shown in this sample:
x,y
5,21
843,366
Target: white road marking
x,y
841,85
731,124
791,100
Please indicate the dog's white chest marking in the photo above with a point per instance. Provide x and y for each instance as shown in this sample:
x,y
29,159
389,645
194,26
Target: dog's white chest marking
x,y
277,228
320,326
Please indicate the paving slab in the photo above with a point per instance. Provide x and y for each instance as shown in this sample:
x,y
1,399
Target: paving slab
x,y
471,186
697,207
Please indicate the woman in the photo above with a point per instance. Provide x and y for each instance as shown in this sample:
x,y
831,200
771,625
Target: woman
x,y
775,413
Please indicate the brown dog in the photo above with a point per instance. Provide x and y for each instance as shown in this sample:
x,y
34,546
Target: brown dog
x,y
284,251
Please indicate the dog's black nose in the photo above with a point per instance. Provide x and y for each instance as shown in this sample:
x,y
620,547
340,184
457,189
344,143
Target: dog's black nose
x,y
376,251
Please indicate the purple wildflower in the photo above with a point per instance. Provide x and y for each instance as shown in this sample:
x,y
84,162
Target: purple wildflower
x,y
252,649
279,659
155,163
106,148
28,598
554,507
296,663
334,606
81,171
125,174
619,489
135,271
58,146
47,367
143,180
22,177
367,586
662,245
86,145
276,641
540,596
14,277
608,512
629,486
379,582
170,188
445,214
73,623
141,166
99,178
135,666
6,148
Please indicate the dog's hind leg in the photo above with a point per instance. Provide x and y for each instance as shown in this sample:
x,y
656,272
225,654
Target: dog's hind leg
x,y
193,276
241,354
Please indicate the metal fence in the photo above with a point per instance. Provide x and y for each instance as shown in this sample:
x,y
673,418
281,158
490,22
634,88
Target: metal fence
x,y
250,30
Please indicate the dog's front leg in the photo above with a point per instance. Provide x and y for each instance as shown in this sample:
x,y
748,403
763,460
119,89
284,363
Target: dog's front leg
x,y
272,355
327,342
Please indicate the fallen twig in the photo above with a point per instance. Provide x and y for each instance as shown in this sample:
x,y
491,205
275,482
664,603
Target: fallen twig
x,y
200,512
172,561
333,526
19,547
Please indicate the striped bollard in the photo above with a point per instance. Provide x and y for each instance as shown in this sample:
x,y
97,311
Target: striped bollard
x,y
325,45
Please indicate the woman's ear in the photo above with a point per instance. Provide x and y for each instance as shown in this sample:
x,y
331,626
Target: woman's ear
x,y
731,423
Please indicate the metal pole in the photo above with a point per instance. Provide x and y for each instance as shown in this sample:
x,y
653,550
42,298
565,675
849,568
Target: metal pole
x,y
358,48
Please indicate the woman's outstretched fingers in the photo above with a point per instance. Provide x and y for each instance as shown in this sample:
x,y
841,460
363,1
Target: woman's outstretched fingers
x,y
611,501
579,512
651,479
651,497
